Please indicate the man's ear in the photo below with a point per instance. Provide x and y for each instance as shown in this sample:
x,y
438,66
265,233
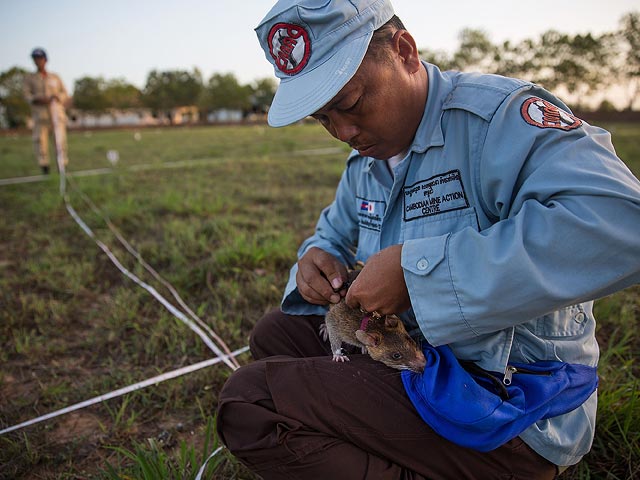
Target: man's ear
x,y
407,50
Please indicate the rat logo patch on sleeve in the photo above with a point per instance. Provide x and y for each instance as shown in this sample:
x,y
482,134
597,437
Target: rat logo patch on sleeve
x,y
433,196
543,114
370,213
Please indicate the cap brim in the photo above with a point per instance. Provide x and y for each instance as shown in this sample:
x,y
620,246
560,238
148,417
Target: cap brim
x,y
304,94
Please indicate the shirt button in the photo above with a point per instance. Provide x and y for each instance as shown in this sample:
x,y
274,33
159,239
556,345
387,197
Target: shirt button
x,y
422,264
579,317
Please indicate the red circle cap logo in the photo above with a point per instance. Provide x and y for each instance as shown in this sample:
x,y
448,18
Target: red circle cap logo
x,y
290,47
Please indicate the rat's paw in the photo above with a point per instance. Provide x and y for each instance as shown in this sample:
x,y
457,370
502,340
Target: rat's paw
x,y
322,331
340,357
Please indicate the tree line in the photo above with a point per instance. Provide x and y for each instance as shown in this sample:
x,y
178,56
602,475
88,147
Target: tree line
x,y
163,91
581,64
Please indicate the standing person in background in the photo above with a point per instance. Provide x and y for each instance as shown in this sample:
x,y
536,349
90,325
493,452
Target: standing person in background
x,y
48,97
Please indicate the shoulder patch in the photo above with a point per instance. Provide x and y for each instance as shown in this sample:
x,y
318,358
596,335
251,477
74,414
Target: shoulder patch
x,y
543,114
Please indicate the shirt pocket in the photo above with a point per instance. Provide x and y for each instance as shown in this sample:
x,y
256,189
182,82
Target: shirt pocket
x,y
567,334
436,225
566,322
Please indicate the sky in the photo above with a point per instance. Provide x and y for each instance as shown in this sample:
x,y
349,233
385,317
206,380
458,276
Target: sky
x,y
127,39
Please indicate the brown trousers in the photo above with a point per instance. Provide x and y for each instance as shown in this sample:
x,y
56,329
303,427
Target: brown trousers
x,y
296,414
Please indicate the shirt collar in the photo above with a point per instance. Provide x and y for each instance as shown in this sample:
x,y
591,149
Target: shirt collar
x,y
429,133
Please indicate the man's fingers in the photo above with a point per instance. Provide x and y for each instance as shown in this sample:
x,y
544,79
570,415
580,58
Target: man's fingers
x,y
314,287
336,283
320,277
380,286
352,298
331,269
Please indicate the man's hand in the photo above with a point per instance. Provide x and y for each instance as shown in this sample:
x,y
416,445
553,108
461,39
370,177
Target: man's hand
x,y
380,286
320,277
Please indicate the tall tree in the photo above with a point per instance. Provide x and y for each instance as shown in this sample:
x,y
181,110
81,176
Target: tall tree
x,y
263,91
579,63
476,52
170,89
15,107
89,94
576,62
517,59
121,94
629,36
438,57
224,91
95,94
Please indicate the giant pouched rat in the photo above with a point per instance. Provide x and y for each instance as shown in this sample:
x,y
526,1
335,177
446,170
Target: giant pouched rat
x,y
383,336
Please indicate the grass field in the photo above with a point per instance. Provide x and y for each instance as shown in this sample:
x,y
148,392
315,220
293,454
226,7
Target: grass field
x,y
223,227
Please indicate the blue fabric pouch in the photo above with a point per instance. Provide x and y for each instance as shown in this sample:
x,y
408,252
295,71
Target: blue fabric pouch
x,y
478,409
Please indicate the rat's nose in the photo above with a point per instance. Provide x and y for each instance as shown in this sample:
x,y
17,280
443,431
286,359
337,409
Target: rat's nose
x,y
418,364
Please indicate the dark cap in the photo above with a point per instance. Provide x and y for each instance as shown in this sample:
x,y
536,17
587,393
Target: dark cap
x,y
38,52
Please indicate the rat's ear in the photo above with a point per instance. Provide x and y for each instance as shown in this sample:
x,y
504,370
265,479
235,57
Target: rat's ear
x,y
368,339
391,321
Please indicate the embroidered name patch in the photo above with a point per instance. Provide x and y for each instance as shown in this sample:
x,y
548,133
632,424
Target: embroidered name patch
x,y
370,213
438,194
290,47
543,114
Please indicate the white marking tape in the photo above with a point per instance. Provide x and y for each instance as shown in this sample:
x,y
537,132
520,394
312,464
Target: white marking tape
x,y
204,465
158,166
228,358
16,180
177,313
154,273
122,391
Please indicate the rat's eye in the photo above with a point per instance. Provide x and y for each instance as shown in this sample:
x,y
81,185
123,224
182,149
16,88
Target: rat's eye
x,y
396,356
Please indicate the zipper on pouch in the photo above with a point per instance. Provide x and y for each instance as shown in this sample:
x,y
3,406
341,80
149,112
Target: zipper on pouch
x,y
510,370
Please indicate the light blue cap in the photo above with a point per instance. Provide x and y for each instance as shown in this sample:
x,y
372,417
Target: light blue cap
x,y
315,47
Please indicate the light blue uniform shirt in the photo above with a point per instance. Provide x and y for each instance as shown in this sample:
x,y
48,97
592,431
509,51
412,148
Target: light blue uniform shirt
x,y
514,215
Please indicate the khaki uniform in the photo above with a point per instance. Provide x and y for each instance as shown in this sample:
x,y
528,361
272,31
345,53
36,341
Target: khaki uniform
x,y
37,85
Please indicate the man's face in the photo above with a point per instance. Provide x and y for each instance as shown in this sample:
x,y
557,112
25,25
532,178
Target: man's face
x,y
374,112
40,62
